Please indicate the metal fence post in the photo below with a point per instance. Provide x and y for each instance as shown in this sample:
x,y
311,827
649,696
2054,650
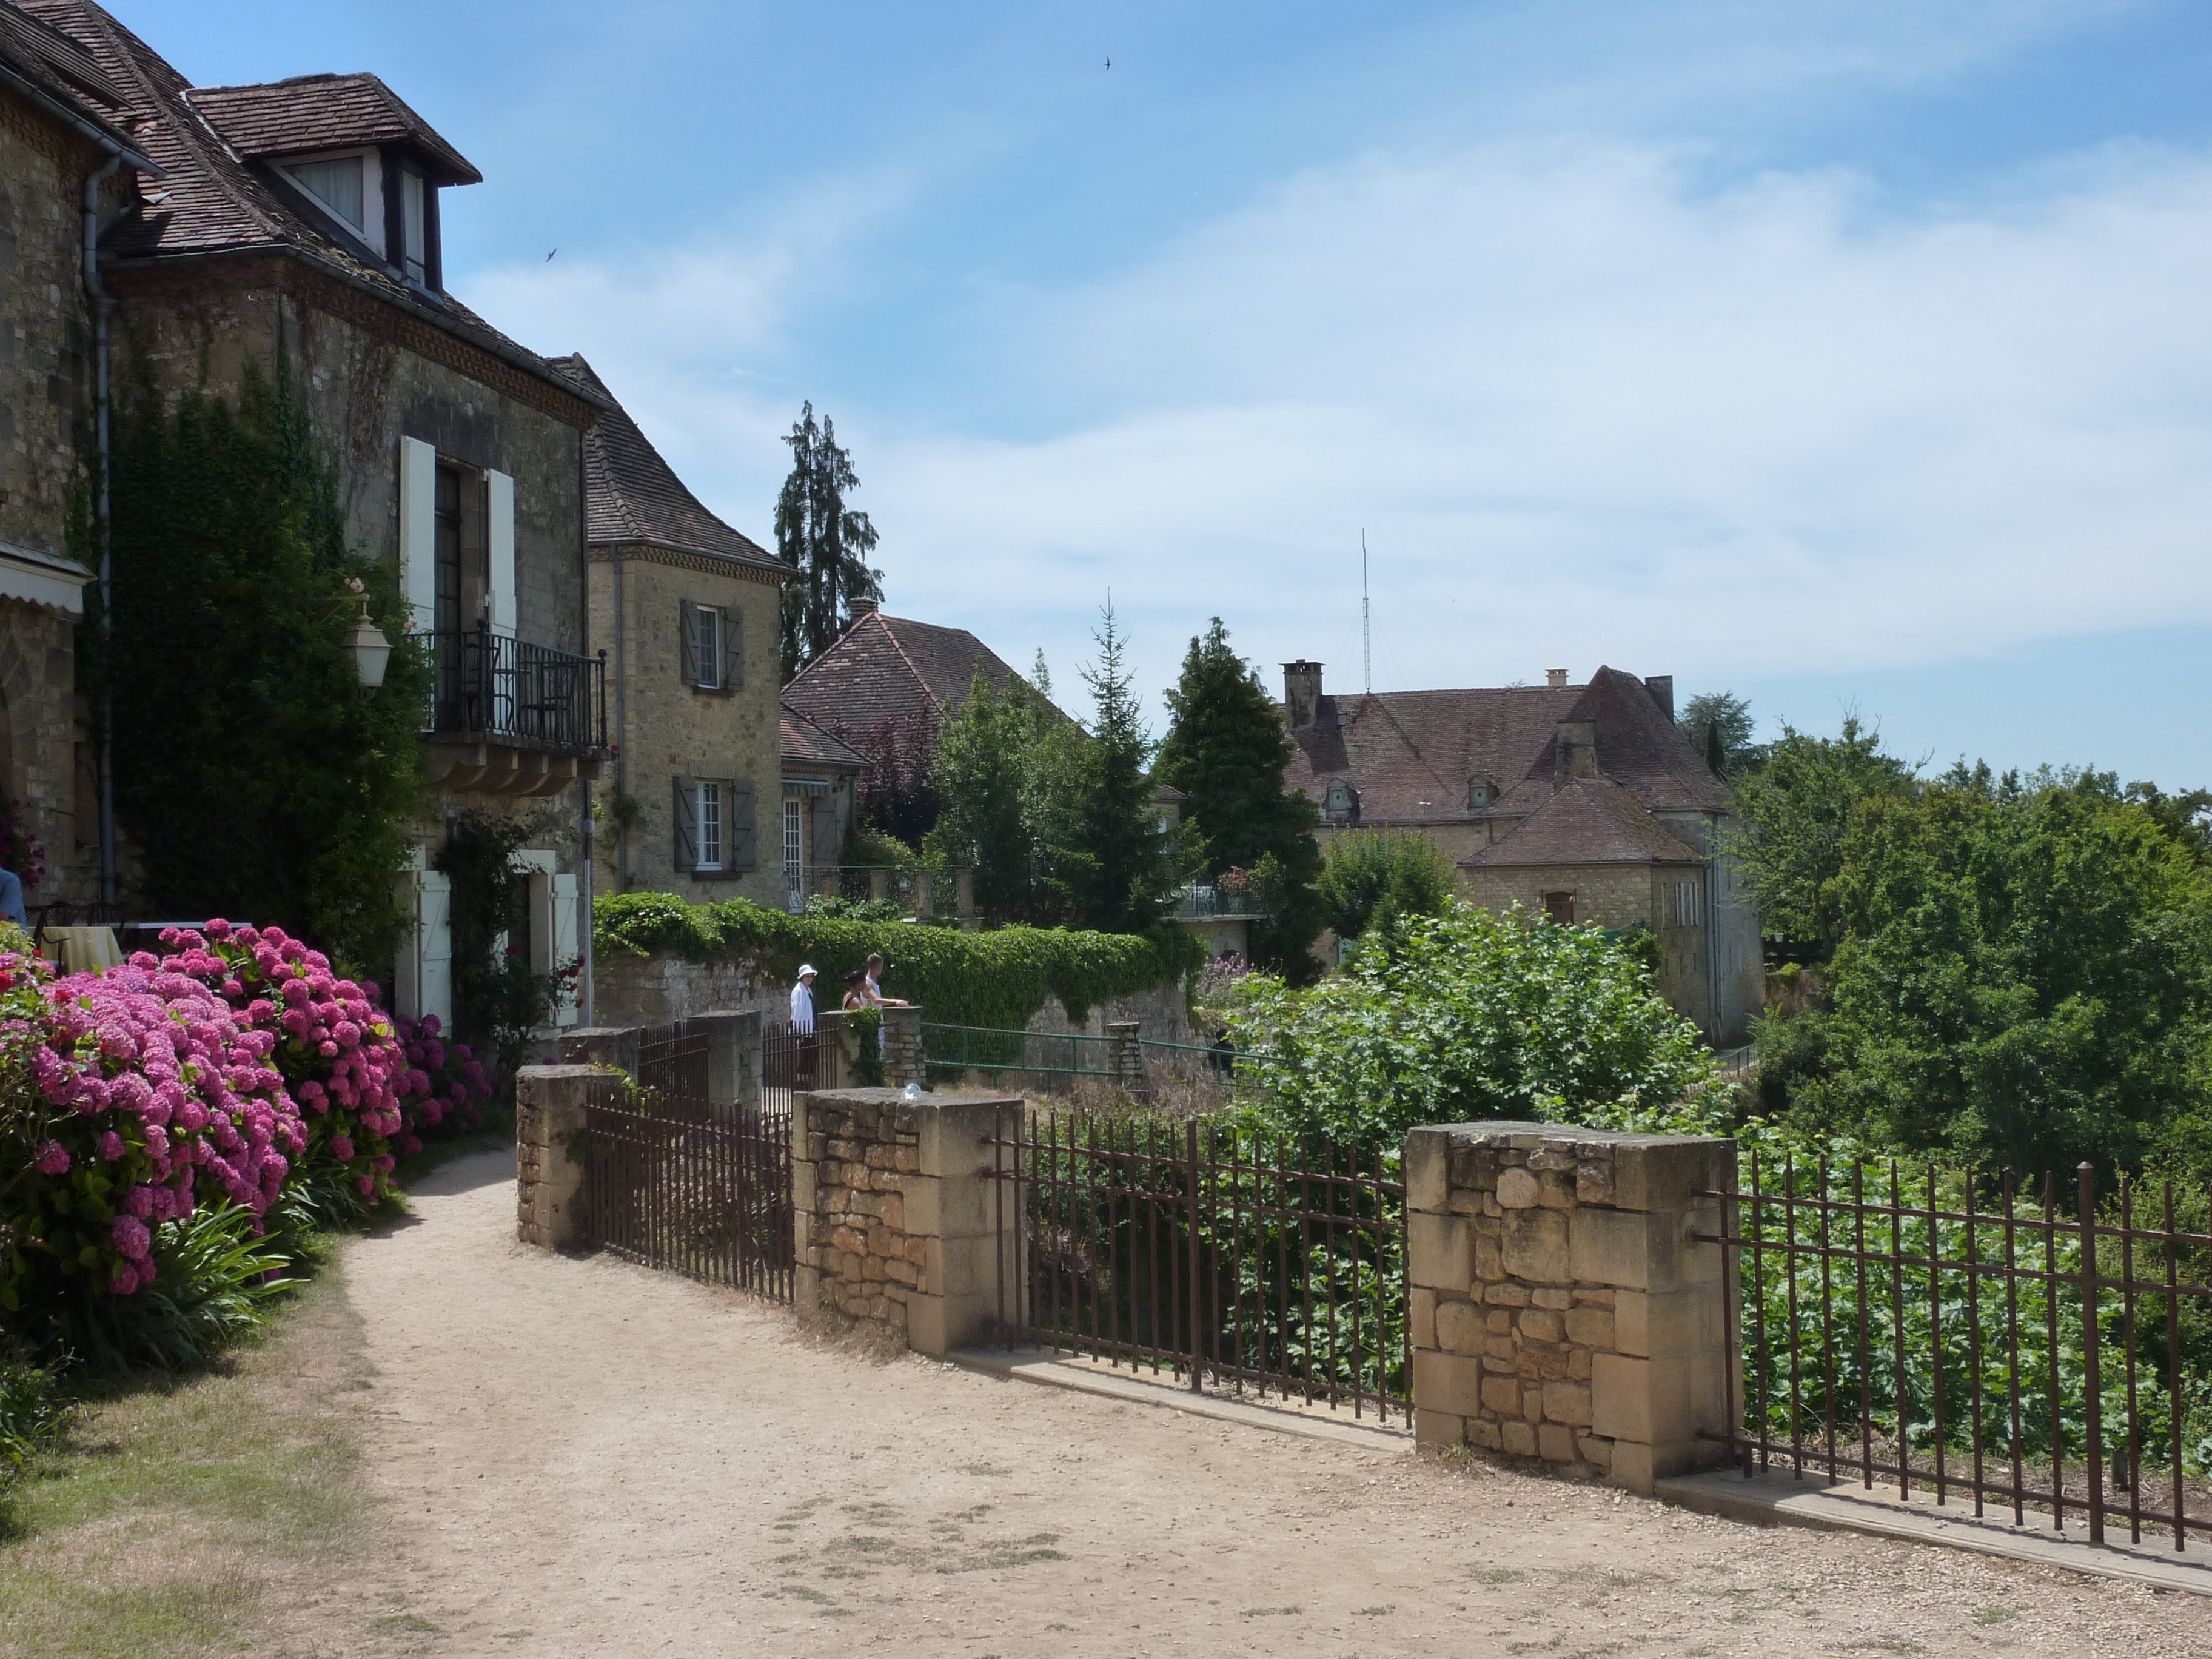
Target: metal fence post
x,y
2086,1196
1197,1366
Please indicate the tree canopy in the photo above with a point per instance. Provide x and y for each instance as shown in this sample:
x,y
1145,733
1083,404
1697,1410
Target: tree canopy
x,y
825,542
1719,726
1372,879
1226,750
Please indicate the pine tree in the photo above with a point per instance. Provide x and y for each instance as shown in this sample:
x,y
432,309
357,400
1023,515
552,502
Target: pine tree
x,y
827,544
1226,749
1121,871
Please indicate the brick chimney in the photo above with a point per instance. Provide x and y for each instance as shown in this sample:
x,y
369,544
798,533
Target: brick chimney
x,y
1574,751
1556,678
860,608
1662,688
1302,692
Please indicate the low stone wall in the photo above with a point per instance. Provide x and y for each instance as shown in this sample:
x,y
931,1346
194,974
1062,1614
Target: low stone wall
x,y
893,1212
1561,1307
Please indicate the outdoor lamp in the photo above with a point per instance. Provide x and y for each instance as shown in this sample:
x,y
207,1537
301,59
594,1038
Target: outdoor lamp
x,y
365,644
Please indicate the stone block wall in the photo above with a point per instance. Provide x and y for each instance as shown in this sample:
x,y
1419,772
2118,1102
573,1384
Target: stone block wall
x,y
894,1213
549,1165
1561,1307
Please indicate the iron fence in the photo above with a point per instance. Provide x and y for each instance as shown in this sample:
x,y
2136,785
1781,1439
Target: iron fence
x,y
793,1060
949,1051
923,893
1211,1252
487,685
1982,1339
695,1188
672,1059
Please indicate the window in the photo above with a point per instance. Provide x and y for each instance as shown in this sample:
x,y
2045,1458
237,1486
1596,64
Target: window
x,y
794,854
1477,794
336,184
414,224
1340,802
709,825
707,647
1686,904
1559,907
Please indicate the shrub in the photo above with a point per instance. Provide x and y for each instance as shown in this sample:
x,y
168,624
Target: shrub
x,y
1371,879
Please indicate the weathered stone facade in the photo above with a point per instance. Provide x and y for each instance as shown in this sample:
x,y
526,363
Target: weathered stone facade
x,y
1562,1307
893,1215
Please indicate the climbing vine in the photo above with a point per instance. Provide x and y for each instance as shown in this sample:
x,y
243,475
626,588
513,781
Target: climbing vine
x,y
497,998
255,775
997,979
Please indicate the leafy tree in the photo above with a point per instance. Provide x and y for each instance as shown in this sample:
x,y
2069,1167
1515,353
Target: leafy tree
x,y
984,777
1467,1015
1226,750
825,542
1719,724
1120,871
255,775
1797,811
1372,879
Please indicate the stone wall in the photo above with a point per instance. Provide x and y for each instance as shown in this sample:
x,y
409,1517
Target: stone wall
x,y
894,1219
549,1165
1561,1307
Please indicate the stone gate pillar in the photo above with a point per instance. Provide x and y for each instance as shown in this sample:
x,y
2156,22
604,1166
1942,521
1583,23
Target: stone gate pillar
x,y
549,1163
1560,1306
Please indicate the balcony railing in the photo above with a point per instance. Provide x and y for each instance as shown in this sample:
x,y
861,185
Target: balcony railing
x,y
1202,903
925,894
490,686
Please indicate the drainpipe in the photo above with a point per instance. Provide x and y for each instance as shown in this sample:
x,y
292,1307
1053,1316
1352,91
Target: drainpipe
x,y
621,730
102,305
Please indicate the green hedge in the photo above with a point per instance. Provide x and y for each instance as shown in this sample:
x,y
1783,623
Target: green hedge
x,y
997,979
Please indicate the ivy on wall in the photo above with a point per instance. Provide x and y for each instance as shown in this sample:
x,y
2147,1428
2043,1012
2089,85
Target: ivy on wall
x,y
997,979
254,774
497,997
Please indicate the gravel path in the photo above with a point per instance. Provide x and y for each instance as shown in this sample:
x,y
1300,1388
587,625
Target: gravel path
x,y
585,1458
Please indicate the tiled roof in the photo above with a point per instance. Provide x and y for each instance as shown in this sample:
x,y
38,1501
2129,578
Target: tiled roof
x,y
886,671
803,740
1588,821
632,494
1411,755
310,112
215,200
62,72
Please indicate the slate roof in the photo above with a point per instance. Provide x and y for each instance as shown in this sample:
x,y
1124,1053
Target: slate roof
x,y
802,740
62,73
884,670
310,112
215,199
1589,820
632,494
1411,754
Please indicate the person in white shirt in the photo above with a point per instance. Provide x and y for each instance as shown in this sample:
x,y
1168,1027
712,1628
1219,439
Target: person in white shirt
x,y
802,1000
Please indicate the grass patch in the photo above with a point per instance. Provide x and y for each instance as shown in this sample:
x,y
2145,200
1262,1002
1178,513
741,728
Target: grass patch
x,y
175,1508
1994,1615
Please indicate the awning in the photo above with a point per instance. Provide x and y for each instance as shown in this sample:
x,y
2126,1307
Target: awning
x,y
805,786
52,579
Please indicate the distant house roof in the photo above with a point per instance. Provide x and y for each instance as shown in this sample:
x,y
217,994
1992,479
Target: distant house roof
x,y
310,112
808,743
1411,754
887,670
217,198
632,494
1589,820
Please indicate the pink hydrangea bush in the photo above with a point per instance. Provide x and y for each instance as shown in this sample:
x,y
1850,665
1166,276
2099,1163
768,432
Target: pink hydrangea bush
x,y
153,1098
446,1081
336,1052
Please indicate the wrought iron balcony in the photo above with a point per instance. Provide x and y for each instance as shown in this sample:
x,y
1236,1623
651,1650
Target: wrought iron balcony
x,y
1203,902
507,691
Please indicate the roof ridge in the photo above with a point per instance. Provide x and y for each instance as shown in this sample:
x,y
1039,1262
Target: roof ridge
x,y
912,667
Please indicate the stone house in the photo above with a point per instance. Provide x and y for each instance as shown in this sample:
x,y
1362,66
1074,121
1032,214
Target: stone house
x,y
1583,803
888,679
64,152
821,793
687,608
300,218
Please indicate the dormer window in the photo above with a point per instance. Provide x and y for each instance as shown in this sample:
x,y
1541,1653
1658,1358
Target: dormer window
x,y
382,200
345,186
1340,802
415,227
1477,794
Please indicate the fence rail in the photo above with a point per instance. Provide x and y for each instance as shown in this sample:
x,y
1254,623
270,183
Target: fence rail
x,y
1982,1339
793,1060
699,1188
1214,1254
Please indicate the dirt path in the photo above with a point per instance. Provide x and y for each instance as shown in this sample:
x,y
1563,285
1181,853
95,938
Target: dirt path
x,y
587,1458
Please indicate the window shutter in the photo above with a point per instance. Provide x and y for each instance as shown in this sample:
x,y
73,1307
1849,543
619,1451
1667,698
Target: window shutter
x,y
418,531
733,649
737,836
565,950
829,832
499,538
687,825
687,634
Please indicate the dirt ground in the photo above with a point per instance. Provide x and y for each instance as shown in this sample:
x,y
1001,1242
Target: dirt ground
x,y
582,1457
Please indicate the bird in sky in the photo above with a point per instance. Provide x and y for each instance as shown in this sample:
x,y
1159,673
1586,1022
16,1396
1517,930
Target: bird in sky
x,y
549,258
1110,63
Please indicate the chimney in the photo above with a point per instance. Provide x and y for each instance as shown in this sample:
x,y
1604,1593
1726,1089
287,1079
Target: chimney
x,y
1662,688
1302,692
1556,678
860,608
1574,751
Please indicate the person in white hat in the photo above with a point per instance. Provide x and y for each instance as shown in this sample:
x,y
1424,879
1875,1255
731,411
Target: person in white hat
x,y
802,1000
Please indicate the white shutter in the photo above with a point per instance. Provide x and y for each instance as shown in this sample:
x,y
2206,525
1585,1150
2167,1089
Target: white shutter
x,y
418,532
437,937
568,920
499,533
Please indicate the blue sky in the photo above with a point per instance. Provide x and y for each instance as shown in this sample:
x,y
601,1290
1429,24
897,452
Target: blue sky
x,y
1850,355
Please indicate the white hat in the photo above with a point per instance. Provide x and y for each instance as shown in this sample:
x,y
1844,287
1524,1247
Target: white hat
x,y
805,968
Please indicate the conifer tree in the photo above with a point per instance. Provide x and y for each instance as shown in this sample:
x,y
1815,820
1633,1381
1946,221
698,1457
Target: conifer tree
x,y
826,543
1226,749
1121,870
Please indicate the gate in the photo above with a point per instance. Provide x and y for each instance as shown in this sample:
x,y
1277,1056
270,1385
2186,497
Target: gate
x,y
1227,1258
2024,1345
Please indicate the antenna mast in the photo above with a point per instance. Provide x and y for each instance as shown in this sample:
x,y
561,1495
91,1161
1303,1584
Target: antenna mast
x,y
1366,629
